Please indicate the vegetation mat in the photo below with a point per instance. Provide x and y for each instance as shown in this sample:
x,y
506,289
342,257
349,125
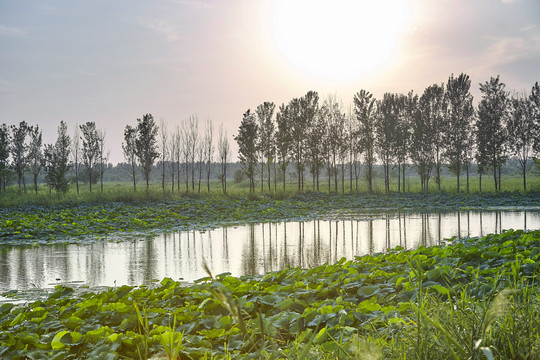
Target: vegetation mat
x,y
472,298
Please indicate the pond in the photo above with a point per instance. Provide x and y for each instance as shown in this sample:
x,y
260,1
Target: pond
x,y
242,250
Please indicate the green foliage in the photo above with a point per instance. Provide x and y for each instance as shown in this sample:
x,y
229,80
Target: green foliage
x,y
247,145
146,145
57,161
469,299
90,150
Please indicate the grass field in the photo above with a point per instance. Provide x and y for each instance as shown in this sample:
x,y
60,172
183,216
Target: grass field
x,y
123,191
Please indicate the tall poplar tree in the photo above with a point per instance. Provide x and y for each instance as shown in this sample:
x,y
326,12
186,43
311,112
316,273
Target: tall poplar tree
x,y
4,155
521,133
76,155
385,129
365,109
247,146
265,113
490,130
308,107
284,136
130,154
534,99
224,151
57,161
35,154
459,116
90,150
146,145
433,104
19,151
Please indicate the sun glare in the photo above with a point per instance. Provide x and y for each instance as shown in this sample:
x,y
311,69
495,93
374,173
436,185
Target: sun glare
x,y
338,39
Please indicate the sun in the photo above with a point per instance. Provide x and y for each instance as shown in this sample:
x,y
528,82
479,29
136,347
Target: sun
x,y
338,39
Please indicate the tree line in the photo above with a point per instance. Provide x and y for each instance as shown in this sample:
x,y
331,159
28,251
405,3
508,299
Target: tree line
x,y
182,152
438,127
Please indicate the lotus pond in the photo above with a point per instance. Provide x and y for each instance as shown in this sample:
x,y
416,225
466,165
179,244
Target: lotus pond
x,y
252,249
310,277
475,298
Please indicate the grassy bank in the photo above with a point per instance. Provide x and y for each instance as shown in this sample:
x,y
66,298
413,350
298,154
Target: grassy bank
x,y
123,191
472,299
98,218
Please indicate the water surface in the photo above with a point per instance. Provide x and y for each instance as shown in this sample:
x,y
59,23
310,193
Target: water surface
x,y
242,250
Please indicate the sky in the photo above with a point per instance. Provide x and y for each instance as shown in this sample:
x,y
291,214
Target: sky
x,y
112,61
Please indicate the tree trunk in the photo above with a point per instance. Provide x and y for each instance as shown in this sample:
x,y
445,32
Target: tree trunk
x,y
500,166
399,178
458,171
225,178
495,177
262,177
403,176
480,182
467,169
77,176
369,175
343,177
524,177
329,178
268,172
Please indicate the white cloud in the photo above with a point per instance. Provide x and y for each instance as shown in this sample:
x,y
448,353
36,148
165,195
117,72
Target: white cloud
x,y
527,28
166,28
11,31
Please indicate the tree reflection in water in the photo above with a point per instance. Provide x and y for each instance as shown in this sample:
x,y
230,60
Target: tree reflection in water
x,y
241,250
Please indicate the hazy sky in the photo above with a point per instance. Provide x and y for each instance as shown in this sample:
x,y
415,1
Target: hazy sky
x,y
112,61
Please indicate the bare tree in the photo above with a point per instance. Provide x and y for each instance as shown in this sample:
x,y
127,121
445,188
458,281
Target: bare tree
x,y
199,163
163,139
173,151
192,141
103,158
208,150
178,153
224,152
130,153
186,151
